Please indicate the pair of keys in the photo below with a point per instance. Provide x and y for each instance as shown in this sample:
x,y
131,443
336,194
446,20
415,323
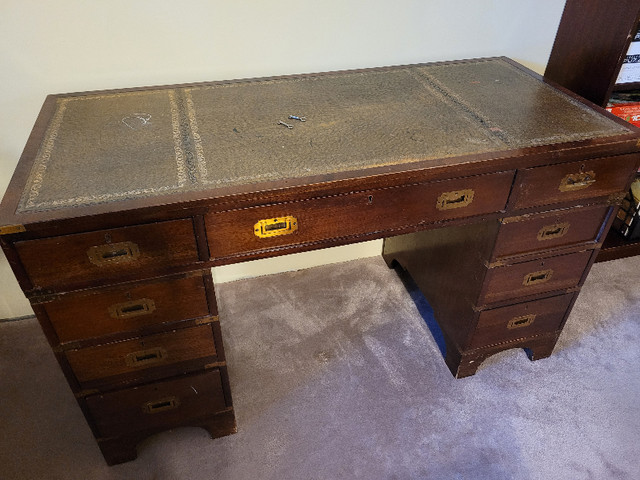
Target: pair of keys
x,y
292,117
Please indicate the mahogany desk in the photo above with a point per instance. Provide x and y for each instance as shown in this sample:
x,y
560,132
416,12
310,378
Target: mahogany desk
x,y
493,188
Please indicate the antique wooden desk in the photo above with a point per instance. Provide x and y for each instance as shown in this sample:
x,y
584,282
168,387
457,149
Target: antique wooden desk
x,y
490,186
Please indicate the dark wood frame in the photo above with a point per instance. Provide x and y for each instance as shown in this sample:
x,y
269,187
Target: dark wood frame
x,y
615,158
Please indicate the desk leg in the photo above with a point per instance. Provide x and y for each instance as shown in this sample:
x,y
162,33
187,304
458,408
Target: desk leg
x,y
124,448
449,266
465,364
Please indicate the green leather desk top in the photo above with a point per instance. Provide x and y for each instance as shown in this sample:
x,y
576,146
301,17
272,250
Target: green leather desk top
x,y
108,146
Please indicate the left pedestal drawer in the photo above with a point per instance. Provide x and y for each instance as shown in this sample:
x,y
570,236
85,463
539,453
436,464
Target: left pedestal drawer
x,y
77,260
127,308
148,357
164,404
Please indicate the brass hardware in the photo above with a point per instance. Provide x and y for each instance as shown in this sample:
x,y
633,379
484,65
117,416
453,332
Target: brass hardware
x,y
214,365
616,198
272,227
9,229
549,232
46,298
207,320
134,308
111,253
455,199
577,181
161,405
146,357
535,278
519,322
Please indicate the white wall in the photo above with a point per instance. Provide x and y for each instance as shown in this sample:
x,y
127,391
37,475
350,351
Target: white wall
x,y
75,45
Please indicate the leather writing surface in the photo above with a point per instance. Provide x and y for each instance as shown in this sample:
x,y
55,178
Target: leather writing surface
x,y
119,145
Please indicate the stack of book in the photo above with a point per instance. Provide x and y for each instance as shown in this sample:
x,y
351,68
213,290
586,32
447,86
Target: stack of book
x,y
630,71
628,220
626,104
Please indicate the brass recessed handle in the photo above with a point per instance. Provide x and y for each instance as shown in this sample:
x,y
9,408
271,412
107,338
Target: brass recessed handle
x,y
520,322
110,253
146,357
577,181
536,278
455,199
134,308
161,405
272,227
557,230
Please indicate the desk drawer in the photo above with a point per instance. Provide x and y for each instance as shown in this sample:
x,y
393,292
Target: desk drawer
x,y
165,404
85,258
359,213
128,308
566,182
533,277
549,230
167,352
527,319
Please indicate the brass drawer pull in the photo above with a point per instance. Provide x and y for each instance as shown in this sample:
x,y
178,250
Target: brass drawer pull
x,y
111,253
536,278
520,322
134,308
556,230
577,181
455,199
161,405
146,357
272,227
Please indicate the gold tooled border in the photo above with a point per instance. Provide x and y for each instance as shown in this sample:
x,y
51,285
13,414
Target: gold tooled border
x,y
29,200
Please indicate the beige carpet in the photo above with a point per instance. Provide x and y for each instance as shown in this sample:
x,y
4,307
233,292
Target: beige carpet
x,y
336,375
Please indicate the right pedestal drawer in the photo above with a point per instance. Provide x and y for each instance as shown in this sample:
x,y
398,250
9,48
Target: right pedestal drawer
x,y
572,181
529,234
527,319
533,277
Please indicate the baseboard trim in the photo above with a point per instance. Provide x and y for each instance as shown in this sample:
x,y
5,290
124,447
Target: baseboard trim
x,y
17,319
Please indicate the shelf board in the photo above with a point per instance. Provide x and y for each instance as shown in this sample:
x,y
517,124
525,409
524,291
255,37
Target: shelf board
x,y
616,246
626,87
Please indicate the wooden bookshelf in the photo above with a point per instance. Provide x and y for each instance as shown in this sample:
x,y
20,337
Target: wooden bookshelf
x,y
592,40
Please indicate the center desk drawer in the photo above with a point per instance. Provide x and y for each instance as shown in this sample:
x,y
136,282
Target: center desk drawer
x,y
130,307
255,229
534,277
165,404
84,258
566,182
170,353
